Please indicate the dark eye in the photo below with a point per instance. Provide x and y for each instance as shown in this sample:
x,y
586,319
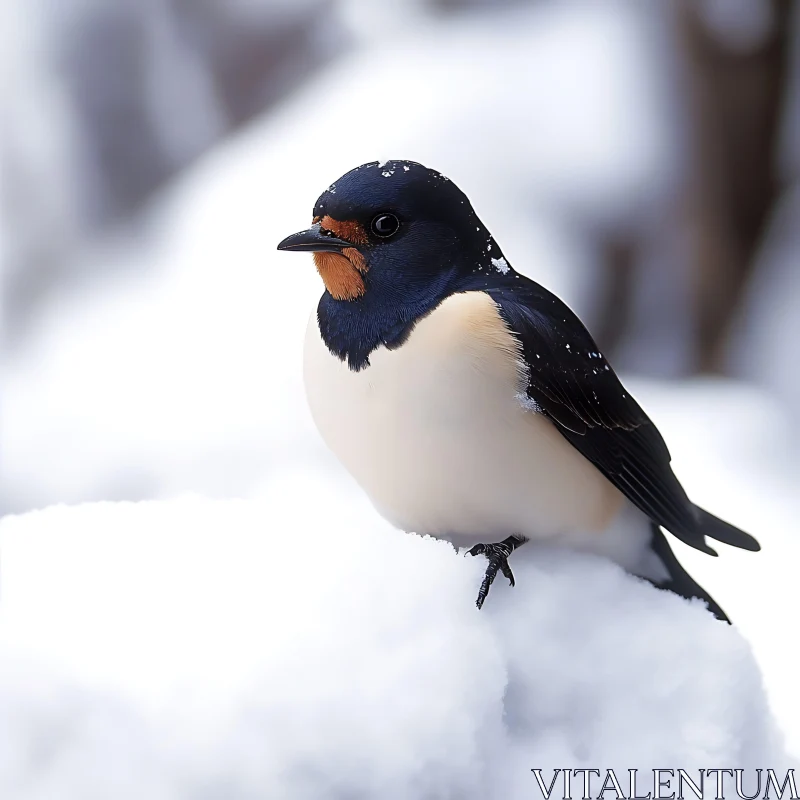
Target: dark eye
x,y
385,225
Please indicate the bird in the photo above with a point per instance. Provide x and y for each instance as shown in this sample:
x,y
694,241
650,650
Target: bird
x,y
469,402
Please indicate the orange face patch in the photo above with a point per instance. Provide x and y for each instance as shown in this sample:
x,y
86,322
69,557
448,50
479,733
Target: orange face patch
x,y
347,229
341,274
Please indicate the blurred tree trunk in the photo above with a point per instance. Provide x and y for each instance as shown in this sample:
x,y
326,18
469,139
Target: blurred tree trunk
x,y
731,92
735,95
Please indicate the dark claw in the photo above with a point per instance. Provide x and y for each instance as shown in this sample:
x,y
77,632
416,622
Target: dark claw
x,y
506,570
497,554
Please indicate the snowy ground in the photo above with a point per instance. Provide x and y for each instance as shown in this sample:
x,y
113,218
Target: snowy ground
x,y
732,450
298,647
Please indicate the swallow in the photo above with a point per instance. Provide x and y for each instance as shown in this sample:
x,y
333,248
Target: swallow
x,y
469,402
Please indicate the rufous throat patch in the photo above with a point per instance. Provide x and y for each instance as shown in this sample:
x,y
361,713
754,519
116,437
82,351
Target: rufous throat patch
x,y
339,273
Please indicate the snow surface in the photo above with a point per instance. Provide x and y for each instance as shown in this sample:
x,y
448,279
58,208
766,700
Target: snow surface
x,y
731,451
298,647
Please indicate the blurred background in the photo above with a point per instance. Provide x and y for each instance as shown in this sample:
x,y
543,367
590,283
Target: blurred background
x,y
640,159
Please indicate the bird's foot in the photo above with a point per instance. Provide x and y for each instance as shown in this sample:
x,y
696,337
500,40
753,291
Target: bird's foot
x,y
497,554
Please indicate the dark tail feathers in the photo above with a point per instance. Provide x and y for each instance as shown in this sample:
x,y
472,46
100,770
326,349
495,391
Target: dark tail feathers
x,y
715,528
680,582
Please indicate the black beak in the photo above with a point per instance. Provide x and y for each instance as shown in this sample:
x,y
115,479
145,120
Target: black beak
x,y
314,240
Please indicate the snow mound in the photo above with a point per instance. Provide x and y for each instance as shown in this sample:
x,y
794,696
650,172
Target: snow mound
x,y
296,646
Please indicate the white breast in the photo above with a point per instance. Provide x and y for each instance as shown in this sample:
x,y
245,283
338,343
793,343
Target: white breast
x,y
434,433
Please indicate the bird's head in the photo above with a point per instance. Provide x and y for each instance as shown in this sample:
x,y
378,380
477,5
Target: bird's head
x,y
394,231
391,240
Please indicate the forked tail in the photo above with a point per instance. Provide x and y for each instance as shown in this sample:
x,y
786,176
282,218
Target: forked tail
x,y
722,531
680,581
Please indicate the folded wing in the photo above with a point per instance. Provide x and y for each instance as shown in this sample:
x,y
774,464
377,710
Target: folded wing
x,y
571,382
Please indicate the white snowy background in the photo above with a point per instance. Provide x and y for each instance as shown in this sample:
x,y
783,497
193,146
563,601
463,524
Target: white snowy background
x,y
195,600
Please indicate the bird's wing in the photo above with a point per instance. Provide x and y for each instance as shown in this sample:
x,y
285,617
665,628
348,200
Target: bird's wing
x,y
570,381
